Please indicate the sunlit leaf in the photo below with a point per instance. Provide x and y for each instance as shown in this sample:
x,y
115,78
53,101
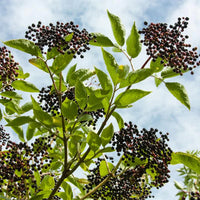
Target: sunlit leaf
x,y
101,40
119,119
105,168
39,63
107,134
24,86
94,141
11,94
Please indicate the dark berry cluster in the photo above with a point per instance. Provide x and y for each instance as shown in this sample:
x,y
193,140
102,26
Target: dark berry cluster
x,y
18,162
50,103
193,195
145,146
169,44
49,99
8,69
4,137
64,37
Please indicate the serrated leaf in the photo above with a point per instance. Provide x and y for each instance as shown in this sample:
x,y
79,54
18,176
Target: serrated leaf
x,y
135,77
24,86
69,109
47,182
101,40
81,94
25,46
27,107
105,82
111,65
156,65
107,134
129,97
18,121
30,132
39,63
61,61
179,92
94,141
11,94
133,45
70,72
117,28
119,119
158,81
105,168
191,161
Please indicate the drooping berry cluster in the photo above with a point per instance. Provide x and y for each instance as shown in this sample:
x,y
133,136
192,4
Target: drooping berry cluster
x,y
169,44
4,137
18,162
64,37
8,69
145,156
192,195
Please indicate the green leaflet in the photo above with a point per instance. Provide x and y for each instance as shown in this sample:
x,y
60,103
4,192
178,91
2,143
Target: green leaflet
x,y
61,61
101,40
69,73
25,46
191,161
111,65
156,66
119,119
18,121
24,86
30,132
105,168
94,141
26,107
39,63
135,77
81,94
133,45
47,182
158,81
67,194
179,92
117,28
168,73
53,53
107,134
105,82
129,97
11,94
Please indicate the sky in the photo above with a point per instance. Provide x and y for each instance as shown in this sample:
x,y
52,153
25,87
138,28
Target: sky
x,y
159,109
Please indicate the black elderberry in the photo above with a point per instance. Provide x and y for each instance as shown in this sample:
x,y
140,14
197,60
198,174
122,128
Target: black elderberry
x,y
56,36
169,44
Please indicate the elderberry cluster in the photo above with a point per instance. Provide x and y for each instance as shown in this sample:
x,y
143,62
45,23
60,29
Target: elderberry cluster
x,y
64,37
18,162
169,44
4,137
193,196
8,69
50,103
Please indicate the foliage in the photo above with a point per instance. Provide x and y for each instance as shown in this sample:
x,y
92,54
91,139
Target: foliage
x,y
69,125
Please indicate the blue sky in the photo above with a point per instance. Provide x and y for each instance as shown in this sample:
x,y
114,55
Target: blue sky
x,y
160,109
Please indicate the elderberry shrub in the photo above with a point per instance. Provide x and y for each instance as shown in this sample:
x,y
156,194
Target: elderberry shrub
x,y
8,69
18,162
170,44
50,103
145,155
64,37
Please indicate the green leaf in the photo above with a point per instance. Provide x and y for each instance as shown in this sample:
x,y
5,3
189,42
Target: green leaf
x,y
42,116
12,107
37,177
119,119
75,182
168,73
68,190
52,53
4,198
30,132
101,40
135,77
105,168
69,37
129,97
27,107
105,82
178,185
156,65
69,109
158,81
47,182
24,86
178,91
1,115
117,28
37,197
80,75
18,121
111,65
61,62
21,74
70,72
133,45
81,94
191,161
94,141
107,134
25,46
11,94
39,63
